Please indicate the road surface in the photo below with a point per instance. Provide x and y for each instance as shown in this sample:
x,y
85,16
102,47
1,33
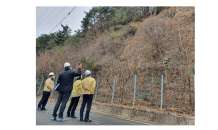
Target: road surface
x,y
44,118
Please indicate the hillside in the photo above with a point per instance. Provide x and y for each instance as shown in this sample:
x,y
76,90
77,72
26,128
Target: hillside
x,y
163,41
169,35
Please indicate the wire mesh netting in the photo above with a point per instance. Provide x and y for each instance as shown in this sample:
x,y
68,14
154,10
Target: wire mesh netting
x,y
40,84
148,88
178,88
105,88
179,95
123,93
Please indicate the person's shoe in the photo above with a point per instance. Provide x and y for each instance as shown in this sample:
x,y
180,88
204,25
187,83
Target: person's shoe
x,y
87,120
68,116
39,109
43,109
60,119
53,118
73,116
81,119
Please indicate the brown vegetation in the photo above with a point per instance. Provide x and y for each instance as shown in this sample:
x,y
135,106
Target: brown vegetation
x,y
164,41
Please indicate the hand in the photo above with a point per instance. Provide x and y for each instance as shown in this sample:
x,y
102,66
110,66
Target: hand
x,y
88,93
80,66
51,89
57,91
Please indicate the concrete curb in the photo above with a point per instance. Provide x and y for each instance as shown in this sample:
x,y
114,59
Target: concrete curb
x,y
136,114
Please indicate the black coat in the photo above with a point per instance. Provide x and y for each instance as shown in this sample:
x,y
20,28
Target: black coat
x,y
66,78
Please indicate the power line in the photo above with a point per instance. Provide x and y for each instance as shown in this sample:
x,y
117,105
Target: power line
x,y
46,18
50,20
63,19
55,20
43,14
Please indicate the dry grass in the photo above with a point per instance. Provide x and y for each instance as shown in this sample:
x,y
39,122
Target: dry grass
x,y
170,37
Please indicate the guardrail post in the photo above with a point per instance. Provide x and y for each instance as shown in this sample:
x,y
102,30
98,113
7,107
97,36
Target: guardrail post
x,y
112,99
54,85
37,80
41,84
97,86
194,77
161,90
134,88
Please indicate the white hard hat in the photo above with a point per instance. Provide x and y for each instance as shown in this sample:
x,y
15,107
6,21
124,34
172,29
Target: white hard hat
x,y
87,72
51,73
66,64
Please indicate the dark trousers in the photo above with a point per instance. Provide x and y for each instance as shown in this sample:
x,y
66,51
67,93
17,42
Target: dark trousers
x,y
44,99
86,99
62,99
73,105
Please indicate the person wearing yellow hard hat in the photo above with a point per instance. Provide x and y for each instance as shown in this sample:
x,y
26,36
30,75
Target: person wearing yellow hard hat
x,y
49,86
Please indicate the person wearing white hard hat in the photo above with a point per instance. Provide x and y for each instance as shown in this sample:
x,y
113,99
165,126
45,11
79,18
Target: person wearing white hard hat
x,y
49,86
65,81
77,85
88,88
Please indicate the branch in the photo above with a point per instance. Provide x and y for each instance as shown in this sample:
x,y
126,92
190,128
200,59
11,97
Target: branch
x,y
180,38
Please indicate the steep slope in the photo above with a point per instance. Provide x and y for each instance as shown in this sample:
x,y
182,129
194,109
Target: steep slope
x,y
164,41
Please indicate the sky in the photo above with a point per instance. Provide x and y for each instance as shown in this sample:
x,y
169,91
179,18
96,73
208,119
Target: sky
x,y
47,17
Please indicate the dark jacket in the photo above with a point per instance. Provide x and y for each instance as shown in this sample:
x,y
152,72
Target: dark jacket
x,y
66,78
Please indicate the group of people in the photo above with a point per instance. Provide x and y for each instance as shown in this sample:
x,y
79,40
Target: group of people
x,y
69,89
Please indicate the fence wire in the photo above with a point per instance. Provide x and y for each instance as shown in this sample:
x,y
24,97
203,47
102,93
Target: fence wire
x,y
105,88
118,88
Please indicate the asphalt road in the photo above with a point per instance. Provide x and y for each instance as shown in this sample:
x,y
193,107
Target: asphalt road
x,y
44,118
